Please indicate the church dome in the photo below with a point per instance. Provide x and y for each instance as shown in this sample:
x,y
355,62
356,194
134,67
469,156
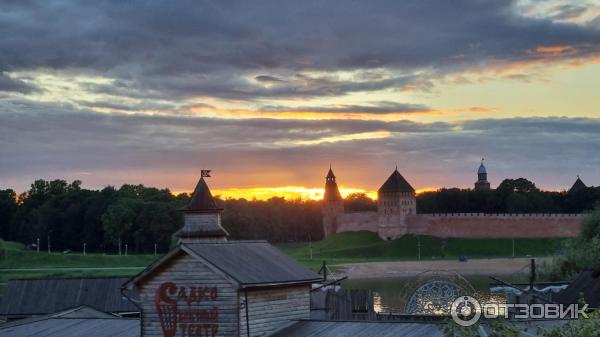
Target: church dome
x,y
481,169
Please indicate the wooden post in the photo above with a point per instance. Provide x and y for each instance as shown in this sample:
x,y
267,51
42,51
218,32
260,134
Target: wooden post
x,y
532,276
419,247
247,318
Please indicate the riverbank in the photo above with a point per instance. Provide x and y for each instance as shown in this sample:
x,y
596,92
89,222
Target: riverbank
x,y
475,267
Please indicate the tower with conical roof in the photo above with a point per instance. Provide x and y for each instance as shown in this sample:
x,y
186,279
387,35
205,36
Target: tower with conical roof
x,y
396,200
333,204
201,217
482,184
578,186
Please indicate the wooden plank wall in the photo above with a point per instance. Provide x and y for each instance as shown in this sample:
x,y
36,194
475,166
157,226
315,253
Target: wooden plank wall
x,y
343,304
271,310
187,272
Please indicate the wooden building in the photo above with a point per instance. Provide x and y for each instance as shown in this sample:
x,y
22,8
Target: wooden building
x,y
209,286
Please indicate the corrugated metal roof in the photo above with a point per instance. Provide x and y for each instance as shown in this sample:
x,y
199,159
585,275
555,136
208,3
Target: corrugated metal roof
x,y
360,329
308,328
29,297
78,312
253,263
74,327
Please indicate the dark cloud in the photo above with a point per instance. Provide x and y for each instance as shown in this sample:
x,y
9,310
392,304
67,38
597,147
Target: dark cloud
x,y
8,84
230,49
268,79
568,11
383,107
60,141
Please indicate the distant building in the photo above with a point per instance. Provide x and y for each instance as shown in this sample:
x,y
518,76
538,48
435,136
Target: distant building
x,y
396,215
482,184
333,204
577,186
396,200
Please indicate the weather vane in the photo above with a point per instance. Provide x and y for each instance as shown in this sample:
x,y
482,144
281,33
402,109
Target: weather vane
x,y
205,173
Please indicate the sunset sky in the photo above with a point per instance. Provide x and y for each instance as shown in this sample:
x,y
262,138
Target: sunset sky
x,y
268,93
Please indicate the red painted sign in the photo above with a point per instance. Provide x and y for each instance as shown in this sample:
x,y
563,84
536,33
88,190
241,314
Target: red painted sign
x,y
191,311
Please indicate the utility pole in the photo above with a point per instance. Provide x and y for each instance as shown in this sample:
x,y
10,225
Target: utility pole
x,y
38,245
84,246
155,246
125,249
513,247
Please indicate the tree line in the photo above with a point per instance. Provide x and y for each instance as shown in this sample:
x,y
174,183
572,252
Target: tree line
x,y
66,215
511,196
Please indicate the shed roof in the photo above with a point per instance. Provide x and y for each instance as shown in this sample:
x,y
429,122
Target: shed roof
x,y
247,263
28,297
396,183
588,283
77,322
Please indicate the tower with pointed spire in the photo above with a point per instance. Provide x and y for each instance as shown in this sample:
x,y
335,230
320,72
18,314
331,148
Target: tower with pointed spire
x,y
333,204
396,200
578,186
482,184
201,217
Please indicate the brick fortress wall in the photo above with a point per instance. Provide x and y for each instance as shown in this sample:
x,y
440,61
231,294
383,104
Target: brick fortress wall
x,y
472,225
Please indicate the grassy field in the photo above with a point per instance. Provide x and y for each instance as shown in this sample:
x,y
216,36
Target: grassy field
x,y
14,256
339,248
366,246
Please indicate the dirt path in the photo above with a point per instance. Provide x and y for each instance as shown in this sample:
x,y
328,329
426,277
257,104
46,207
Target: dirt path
x,y
412,268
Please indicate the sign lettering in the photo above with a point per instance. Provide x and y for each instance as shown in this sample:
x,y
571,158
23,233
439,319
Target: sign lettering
x,y
189,310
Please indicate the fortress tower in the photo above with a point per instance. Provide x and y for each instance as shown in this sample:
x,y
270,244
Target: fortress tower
x,y
333,204
395,202
482,183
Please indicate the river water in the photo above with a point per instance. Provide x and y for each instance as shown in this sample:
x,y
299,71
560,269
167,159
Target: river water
x,y
391,294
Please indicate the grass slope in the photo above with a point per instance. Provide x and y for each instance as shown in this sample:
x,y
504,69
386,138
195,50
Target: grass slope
x,y
14,256
367,246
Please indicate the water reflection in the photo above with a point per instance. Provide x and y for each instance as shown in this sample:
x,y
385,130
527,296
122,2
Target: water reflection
x,y
391,294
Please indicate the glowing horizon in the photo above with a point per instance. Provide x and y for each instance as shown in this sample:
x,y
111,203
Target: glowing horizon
x,y
287,192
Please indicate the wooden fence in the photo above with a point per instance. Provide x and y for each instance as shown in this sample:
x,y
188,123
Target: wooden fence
x,y
342,305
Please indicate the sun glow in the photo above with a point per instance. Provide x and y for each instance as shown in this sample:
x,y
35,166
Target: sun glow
x,y
287,192
290,192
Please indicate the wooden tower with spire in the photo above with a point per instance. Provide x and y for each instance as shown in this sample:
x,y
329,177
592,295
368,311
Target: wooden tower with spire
x,y
202,216
333,204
